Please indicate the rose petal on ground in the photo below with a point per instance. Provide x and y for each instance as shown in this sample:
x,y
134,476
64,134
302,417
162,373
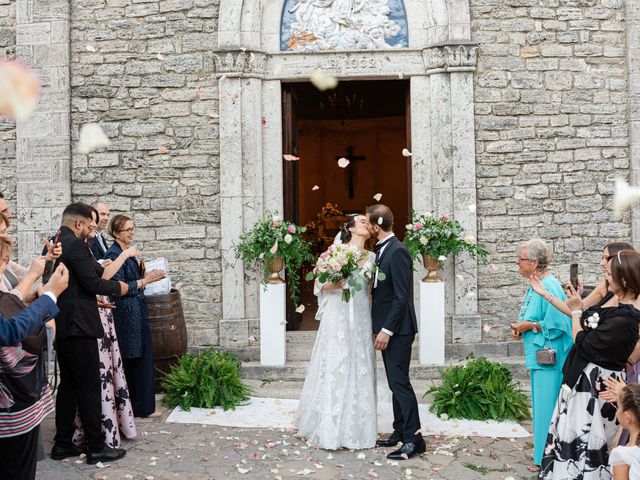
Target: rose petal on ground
x,y
92,137
377,197
405,456
406,152
361,456
343,162
323,81
243,470
304,472
290,158
372,473
164,432
300,309
100,465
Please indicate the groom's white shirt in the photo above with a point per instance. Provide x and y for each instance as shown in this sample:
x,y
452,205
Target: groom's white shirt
x,y
384,247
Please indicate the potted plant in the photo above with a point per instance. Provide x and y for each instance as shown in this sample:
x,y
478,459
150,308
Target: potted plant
x,y
435,239
277,244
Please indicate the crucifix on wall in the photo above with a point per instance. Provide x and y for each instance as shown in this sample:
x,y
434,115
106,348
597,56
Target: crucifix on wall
x,y
350,170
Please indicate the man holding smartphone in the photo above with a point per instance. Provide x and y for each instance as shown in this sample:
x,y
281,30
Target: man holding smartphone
x,y
79,327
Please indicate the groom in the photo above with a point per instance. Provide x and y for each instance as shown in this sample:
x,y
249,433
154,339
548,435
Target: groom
x,y
395,326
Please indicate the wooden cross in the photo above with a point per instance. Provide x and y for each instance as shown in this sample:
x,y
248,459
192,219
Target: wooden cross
x,y
351,169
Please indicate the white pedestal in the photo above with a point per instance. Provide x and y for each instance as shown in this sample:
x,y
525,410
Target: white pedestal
x,y
273,316
431,325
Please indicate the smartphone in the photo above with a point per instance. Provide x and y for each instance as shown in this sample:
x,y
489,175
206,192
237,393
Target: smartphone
x,y
573,275
49,265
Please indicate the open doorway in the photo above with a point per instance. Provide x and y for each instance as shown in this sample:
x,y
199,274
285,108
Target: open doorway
x,y
366,122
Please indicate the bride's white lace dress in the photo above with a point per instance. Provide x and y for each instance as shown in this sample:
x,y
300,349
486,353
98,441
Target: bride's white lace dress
x,y
337,406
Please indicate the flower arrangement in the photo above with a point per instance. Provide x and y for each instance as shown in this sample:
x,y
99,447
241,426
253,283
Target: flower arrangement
x,y
272,238
341,262
439,238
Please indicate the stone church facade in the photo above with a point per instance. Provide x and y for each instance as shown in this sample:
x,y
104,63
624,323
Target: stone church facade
x,y
528,109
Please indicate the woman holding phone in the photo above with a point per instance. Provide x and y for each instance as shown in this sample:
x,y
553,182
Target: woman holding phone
x,y
131,319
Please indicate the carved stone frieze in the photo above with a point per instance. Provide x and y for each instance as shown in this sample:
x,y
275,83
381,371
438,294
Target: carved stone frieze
x,y
450,57
240,62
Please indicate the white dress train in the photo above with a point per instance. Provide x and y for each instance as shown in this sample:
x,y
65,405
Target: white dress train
x,y
337,406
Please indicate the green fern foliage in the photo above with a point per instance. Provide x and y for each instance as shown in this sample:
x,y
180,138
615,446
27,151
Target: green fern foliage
x,y
479,390
208,379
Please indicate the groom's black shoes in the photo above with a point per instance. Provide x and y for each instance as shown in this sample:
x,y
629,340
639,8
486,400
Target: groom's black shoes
x,y
392,441
408,450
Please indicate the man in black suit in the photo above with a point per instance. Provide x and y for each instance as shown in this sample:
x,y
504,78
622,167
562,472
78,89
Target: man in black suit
x,y
395,326
78,328
98,244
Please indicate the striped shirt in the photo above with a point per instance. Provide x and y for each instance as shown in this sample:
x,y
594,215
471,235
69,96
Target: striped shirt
x,y
17,423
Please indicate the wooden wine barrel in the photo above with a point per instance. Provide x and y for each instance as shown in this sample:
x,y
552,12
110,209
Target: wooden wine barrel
x,y
168,331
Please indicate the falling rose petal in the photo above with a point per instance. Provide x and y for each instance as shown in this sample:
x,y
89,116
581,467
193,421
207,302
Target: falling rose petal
x,y
472,208
19,88
261,256
274,249
487,328
377,197
300,309
163,150
252,338
380,220
493,267
315,187
400,75
223,78
625,196
264,121
323,81
160,56
406,152
290,158
277,69
90,48
91,138
343,162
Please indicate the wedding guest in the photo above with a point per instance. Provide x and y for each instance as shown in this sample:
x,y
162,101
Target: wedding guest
x,y
98,242
78,327
624,460
131,319
26,398
117,413
600,295
542,328
583,424
5,211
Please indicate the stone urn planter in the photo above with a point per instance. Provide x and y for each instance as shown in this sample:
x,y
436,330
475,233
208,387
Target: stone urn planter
x,y
433,265
275,266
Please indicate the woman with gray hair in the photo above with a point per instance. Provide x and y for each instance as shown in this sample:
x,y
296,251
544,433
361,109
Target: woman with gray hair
x,y
546,333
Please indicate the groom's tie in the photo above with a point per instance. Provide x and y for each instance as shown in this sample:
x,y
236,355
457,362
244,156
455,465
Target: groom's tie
x,y
379,247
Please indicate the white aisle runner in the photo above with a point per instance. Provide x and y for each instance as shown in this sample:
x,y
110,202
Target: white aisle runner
x,y
261,412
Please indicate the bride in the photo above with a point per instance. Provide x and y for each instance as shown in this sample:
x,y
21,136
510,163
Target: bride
x,y
337,406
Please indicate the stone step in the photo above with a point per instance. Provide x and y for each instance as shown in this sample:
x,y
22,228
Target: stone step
x,y
297,370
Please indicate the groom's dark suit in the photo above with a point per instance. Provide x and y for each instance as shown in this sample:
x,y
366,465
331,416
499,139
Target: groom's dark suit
x,y
393,311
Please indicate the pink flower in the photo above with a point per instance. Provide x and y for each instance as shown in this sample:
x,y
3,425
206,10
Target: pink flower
x,y
418,226
291,229
276,223
445,217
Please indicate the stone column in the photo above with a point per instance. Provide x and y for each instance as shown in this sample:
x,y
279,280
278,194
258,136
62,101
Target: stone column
x,y
43,142
241,192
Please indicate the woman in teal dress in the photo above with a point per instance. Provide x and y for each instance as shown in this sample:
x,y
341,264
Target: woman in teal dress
x,y
541,327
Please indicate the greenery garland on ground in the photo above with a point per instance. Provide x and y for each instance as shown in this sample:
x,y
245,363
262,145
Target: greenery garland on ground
x,y
207,380
271,237
479,390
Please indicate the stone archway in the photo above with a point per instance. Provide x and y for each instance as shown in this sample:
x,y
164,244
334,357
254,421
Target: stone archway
x,y
439,62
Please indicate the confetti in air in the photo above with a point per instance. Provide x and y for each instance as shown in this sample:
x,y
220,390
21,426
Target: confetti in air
x,y
406,152
19,88
323,81
300,309
290,158
625,196
472,208
377,197
90,48
343,162
92,138
315,187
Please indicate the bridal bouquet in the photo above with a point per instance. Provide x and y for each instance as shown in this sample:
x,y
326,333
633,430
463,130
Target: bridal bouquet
x,y
341,262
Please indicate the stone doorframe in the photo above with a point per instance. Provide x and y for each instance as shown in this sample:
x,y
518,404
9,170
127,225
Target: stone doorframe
x,y
250,69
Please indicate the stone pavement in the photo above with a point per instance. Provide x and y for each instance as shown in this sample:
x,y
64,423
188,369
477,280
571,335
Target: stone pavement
x,y
196,452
